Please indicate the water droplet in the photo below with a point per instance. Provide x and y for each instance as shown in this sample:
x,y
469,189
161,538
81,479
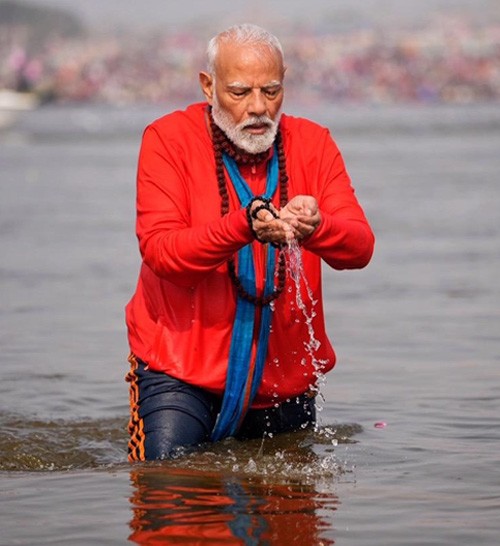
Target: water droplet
x,y
251,466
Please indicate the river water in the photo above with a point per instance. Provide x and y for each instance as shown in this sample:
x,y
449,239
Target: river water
x,y
407,447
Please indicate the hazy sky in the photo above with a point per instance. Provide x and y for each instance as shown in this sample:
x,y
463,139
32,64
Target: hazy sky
x,y
220,13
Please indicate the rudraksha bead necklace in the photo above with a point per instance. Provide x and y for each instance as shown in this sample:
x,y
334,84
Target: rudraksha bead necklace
x,y
223,145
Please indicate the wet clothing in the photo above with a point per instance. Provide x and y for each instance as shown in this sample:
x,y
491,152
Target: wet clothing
x,y
180,318
181,315
169,414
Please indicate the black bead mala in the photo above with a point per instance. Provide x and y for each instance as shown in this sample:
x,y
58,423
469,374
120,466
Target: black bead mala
x,y
223,145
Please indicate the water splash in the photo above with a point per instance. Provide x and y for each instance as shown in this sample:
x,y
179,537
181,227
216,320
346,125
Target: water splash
x,y
306,304
36,445
306,456
303,457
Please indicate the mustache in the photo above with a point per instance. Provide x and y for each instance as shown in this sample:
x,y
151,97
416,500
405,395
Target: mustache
x,y
256,120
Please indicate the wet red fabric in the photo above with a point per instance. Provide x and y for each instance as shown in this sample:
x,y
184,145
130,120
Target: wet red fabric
x,y
180,317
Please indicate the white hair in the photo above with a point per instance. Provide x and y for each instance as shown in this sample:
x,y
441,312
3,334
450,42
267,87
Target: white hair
x,y
245,33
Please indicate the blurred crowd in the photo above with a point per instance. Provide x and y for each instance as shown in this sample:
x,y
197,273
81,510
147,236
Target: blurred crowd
x,y
449,61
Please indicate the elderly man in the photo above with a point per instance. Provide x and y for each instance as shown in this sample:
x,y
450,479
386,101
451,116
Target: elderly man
x,y
237,205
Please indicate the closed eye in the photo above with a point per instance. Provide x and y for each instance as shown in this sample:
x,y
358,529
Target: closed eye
x,y
271,92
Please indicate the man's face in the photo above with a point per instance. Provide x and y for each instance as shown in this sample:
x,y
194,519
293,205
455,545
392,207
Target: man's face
x,y
246,95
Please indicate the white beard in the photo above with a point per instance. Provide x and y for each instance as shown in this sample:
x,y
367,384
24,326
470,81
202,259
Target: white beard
x,y
253,144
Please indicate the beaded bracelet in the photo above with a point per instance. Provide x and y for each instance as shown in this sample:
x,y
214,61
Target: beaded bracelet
x,y
252,215
256,211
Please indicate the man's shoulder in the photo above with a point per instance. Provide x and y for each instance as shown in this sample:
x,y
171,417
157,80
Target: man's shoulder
x,y
302,127
181,120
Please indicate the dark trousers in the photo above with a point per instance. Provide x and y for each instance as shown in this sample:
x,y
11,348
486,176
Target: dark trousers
x,y
169,414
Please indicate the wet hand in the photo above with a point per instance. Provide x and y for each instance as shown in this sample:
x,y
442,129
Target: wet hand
x,y
302,214
267,225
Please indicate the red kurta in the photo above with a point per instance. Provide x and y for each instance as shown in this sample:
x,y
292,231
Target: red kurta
x,y
181,315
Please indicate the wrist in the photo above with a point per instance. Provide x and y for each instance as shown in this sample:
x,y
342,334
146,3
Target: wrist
x,y
253,208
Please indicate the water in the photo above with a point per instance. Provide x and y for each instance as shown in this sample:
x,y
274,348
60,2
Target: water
x,y
417,337
306,305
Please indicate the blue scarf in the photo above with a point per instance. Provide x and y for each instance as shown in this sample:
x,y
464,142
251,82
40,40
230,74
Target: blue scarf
x,y
239,366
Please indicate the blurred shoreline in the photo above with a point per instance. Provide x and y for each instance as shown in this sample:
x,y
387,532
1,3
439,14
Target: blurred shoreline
x,y
449,60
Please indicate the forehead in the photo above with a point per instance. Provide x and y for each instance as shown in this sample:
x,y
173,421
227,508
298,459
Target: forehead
x,y
254,65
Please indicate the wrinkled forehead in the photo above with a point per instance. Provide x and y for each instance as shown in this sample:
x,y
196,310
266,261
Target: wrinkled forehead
x,y
237,62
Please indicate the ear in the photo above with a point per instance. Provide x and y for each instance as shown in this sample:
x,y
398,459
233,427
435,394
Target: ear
x,y
207,86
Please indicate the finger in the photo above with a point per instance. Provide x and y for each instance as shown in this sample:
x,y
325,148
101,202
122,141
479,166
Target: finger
x,y
264,216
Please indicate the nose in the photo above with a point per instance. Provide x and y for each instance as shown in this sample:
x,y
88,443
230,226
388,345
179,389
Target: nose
x,y
257,104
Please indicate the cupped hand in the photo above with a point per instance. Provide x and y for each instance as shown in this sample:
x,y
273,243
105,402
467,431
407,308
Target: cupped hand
x,y
269,227
302,214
